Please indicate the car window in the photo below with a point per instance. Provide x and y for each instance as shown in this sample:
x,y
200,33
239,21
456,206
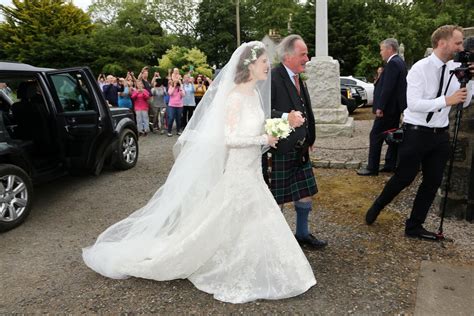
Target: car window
x,y
9,86
347,81
72,92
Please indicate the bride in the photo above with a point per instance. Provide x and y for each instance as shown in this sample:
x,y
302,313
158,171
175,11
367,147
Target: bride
x,y
214,221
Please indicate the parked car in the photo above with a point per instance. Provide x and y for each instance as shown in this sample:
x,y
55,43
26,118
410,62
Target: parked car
x,y
54,122
348,98
369,87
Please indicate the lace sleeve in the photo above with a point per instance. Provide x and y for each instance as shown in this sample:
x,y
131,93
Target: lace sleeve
x,y
233,137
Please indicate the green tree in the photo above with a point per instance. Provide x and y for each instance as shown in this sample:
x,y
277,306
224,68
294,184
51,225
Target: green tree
x,y
134,39
32,25
304,24
184,59
274,14
105,11
216,30
176,16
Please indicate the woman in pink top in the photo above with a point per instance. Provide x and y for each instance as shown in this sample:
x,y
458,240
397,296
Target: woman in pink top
x,y
175,106
140,98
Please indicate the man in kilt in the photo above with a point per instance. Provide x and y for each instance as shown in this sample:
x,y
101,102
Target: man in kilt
x,y
290,175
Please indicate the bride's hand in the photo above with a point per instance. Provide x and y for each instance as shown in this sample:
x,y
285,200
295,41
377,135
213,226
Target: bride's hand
x,y
272,140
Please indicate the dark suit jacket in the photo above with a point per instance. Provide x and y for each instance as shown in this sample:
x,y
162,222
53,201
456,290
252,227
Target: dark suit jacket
x,y
390,94
285,99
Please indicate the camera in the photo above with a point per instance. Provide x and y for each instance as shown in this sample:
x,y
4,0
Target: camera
x,y
463,72
394,136
464,57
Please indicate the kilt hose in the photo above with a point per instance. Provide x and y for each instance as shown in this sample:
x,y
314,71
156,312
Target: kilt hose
x,y
290,180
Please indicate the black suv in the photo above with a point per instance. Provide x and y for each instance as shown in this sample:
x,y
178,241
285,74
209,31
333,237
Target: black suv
x,y
54,122
350,97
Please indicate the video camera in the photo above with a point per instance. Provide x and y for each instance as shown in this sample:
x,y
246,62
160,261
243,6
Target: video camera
x,y
462,72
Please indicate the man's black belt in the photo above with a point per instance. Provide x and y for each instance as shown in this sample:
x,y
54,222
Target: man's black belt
x,y
435,130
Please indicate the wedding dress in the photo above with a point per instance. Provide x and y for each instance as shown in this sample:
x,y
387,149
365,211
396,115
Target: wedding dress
x,y
229,239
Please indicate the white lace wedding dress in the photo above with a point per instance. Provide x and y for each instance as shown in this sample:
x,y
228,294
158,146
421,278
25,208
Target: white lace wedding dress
x,y
242,249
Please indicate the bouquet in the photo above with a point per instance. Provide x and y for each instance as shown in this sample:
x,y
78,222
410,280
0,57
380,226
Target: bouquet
x,y
278,127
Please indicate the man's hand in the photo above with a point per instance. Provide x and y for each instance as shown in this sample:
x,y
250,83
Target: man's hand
x,y
378,113
295,118
458,97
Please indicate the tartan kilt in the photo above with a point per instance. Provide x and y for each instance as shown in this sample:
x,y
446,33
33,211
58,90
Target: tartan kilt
x,y
290,180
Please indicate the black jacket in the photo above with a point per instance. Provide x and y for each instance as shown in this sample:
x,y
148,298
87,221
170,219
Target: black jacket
x,y
390,94
285,99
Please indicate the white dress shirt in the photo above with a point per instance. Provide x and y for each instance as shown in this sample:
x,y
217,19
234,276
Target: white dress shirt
x,y
390,58
291,74
292,77
422,87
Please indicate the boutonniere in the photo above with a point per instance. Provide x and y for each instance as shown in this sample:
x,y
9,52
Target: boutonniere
x,y
303,77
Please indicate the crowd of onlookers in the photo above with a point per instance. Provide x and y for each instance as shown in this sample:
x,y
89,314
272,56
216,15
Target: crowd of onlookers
x,y
158,103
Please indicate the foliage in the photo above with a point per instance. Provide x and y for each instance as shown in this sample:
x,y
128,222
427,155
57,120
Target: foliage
x,y
177,16
34,27
184,59
132,40
128,34
216,30
304,24
275,14
105,11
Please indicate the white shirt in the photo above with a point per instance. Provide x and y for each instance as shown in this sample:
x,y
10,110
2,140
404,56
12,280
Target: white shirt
x,y
390,58
291,74
422,86
292,77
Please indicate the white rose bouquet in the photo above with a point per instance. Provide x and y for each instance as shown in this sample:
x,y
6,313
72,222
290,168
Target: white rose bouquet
x,y
278,127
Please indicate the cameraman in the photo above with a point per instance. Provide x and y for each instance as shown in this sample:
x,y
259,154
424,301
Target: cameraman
x,y
430,96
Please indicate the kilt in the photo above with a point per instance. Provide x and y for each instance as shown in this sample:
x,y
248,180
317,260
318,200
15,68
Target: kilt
x,y
289,179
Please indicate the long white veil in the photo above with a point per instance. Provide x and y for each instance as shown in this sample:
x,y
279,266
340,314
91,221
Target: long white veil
x,y
200,157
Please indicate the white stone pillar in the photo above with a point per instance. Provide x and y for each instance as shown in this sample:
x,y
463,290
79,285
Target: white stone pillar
x,y
332,118
321,31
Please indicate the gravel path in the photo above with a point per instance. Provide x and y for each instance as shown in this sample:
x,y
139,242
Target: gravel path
x,y
364,270
355,148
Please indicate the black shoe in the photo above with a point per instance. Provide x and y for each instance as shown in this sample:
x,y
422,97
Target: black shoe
x,y
372,213
421,233
311,242
367,172
387,169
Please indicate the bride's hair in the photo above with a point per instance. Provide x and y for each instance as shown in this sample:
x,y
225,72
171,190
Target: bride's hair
x,y
248,56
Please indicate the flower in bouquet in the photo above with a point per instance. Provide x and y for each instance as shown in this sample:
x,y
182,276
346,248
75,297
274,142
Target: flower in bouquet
x,y
278,127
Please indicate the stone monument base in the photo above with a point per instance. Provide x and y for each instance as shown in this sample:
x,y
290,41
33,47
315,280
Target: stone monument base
x,y
336,130
332,118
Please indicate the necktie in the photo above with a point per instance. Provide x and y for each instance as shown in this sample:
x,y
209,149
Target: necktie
x,y
440,89
297,83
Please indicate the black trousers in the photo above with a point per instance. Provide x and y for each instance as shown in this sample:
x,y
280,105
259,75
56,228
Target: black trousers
x,y
377,138
187,114
431,152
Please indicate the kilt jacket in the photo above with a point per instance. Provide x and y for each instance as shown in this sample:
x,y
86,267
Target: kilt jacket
x,y
284,99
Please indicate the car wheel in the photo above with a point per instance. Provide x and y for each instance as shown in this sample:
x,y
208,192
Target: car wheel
x,y
16,194
127,152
